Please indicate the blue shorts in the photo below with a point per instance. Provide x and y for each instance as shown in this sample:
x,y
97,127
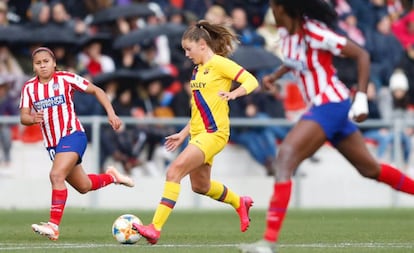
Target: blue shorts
x,y
333,118
75,142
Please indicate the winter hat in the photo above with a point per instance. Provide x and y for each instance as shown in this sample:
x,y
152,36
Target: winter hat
x,y
398,81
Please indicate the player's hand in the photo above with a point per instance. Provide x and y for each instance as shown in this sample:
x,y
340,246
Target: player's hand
x,y
359,108
172,142
227,95
268,82
115,122
38,117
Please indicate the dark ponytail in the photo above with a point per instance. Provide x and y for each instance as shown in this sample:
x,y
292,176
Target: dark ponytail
x,y
314,9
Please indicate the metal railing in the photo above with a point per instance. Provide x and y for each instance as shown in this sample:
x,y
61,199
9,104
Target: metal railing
x,y
397,125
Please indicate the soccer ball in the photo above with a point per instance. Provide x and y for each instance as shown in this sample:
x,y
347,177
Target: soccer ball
x,y
122,229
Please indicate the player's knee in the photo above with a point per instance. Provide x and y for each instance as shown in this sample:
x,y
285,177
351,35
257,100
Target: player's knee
x,y
56,177
369,171
173,175
83,189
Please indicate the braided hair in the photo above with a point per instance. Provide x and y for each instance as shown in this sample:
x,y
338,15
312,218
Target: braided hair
x,y
314,9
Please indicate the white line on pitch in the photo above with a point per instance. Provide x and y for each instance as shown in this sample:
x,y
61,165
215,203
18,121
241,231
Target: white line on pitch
x,y
20,246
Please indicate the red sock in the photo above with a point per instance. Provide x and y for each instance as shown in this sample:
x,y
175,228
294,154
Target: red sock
x,y
100,180
277,210
396,179
58,205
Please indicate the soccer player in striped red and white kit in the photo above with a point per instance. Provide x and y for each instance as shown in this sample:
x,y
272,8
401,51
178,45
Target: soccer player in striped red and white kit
x,y
308,46
47,99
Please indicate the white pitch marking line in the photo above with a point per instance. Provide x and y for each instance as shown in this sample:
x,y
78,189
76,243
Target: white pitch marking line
x,y
20,246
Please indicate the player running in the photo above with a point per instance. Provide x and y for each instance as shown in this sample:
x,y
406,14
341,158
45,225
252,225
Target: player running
x,y
207,45
50,96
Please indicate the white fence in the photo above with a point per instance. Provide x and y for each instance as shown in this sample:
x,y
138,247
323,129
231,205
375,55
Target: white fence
x,y
331,183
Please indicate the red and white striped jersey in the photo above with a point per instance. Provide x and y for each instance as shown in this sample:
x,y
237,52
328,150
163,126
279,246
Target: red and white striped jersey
x,y
309,54
55,98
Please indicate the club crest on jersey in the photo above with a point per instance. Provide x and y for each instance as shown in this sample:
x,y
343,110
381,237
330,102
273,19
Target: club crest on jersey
x,y
55,86
206,71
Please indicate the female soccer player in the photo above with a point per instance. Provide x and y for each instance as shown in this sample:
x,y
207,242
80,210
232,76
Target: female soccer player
x,y
50,95
308,46
207,45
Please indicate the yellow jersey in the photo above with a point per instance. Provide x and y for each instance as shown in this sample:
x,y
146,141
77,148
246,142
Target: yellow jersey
x,y
209,112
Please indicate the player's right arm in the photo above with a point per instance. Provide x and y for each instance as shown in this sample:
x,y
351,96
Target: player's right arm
x,y
172,142
269,80
27,118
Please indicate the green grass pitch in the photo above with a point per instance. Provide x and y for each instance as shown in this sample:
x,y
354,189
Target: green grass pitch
x,y
201,231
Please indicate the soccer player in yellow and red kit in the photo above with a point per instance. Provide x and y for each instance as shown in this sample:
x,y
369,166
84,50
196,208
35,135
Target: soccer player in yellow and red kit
x,y
207,45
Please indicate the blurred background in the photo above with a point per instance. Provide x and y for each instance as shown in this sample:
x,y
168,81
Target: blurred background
x,y
132,49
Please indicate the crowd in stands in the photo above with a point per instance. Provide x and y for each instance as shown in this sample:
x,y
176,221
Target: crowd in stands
x,y
144,71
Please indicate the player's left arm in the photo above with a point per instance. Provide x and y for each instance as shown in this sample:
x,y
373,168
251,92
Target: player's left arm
x,y
361,57
359,110
103,99
340,45
247,81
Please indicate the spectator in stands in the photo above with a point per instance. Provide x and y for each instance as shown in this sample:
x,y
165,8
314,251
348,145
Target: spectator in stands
x,y
255,9
259,141
199,8
97,5
129,58
246,33
394,106
91,59
176,16
3,14
397,109
395,9
144,56
9,66
341,6
406,64
180,103
181,106
154,101
268,30
404,29
385,50
123,145
271,104
60,16
8,107
161,42
216,14
39,13
348,23
366,12
65,56
378,135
